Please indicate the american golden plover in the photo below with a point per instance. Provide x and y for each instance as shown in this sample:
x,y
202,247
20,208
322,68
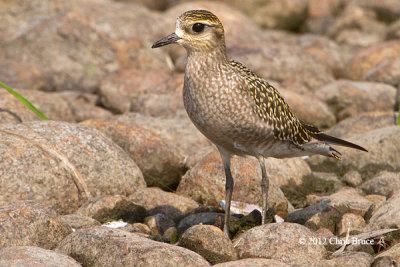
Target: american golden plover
x,y
240,112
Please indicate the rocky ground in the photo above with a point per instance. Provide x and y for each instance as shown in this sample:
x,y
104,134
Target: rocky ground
x,y
119,146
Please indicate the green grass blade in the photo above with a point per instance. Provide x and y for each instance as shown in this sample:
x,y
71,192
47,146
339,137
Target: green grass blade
x,y
398,117
24,101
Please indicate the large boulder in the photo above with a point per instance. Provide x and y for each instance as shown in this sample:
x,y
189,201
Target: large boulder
x,y
74,162
101,246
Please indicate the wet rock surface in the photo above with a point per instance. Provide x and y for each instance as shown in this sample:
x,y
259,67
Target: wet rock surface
x,y
120,148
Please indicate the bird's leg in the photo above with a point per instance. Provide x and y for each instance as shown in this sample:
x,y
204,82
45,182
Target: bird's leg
x,y
226,159
264,188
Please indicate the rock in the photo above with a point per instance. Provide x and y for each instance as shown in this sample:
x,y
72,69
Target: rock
x,y
366,59
28,223
349,98
159,223
283,62
275,14
35,257
300,216
347,258
101,246
110,208
393,31
210,242
352,222
383,154
383,184
209,218
20,75
323,49
50,104
77,221
160,163
357,26
348,200
324,220
388,215
83,106
362,123
205,183
378,201
67,63
137,228
171,234
280,241
352,178
179,132
384,261
74,161
155,201
326,182
386,11
317,113
118,90
254,262
387,72
393,252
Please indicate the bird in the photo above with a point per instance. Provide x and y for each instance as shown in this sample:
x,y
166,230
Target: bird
x,y
237,110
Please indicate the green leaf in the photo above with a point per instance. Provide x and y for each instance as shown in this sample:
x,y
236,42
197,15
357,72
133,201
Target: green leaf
x,y
24,101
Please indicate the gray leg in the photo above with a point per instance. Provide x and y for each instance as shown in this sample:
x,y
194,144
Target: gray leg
x,y
264,188
226,159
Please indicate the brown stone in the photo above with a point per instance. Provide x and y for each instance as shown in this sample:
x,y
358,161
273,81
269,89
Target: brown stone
x,y
28,223
75,163
35,257
102,246
210,242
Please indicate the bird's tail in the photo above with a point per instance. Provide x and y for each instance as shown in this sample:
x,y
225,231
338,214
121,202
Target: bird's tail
x,y
317,134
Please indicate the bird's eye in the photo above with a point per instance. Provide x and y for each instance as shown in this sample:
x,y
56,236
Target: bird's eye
x,y
198,27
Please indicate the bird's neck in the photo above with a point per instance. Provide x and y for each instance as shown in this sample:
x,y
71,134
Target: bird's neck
x,y
208,59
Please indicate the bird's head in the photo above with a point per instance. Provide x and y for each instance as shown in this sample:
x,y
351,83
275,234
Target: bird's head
x,y
196,30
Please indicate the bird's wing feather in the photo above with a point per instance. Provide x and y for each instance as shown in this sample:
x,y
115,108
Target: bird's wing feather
x,y
270,106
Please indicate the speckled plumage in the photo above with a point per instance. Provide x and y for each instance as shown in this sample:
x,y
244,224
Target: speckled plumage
x,y
240,112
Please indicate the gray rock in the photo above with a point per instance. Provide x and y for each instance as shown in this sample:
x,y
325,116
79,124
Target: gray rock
x,y
210,242
374,56
393,252
34,256
101,246
280,241
179,132
159,223
347,258
383,184
73,161
209,218
384,261
352,178
383,146
254,262
352,222
77,221
388,215
50,104
161,164
110,208
363,123
349,200
28,223
349,98
155,201
205,182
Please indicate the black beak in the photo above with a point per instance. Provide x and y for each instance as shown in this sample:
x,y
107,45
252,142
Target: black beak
x,y
170,39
